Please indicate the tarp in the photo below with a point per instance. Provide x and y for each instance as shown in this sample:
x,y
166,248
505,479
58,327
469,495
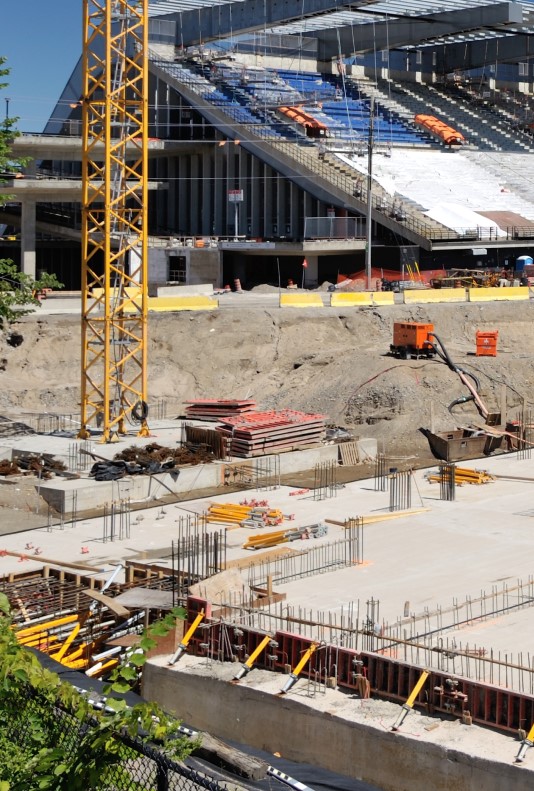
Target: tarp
x,y
457,217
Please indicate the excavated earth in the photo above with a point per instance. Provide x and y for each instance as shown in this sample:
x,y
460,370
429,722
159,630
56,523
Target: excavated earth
x,y
330,361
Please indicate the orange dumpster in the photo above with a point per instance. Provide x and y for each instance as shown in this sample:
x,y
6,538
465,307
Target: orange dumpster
x,y
487,343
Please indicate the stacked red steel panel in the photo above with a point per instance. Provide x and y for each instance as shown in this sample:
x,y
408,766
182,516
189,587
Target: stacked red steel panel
x,y
217,409
259,433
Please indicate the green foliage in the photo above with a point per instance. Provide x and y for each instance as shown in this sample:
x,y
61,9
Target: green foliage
x,y
19,292
7,133
52,738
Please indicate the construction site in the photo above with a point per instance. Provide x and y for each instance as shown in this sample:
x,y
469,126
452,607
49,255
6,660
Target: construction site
x,y
341,557
332,478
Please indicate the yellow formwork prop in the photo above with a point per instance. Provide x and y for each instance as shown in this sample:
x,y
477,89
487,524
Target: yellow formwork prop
x,y
426,295
512,293
305,300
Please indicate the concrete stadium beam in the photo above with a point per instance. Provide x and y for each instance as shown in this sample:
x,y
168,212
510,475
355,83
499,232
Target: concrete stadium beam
x,y
69,148
413,30
477,54
209,23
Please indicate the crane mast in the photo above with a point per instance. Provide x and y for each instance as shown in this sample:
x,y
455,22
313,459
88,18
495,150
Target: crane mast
x,y
114,217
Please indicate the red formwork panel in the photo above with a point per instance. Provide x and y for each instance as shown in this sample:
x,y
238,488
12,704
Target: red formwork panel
x,y
444,693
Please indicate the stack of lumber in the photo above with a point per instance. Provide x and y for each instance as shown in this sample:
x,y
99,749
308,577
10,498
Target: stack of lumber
x,y
217,409
266,540
244,515
464,475
259,433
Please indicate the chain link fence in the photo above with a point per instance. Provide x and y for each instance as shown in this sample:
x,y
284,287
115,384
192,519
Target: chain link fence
x,y
138,765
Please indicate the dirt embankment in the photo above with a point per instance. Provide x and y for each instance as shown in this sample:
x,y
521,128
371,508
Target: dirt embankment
x,y
329,361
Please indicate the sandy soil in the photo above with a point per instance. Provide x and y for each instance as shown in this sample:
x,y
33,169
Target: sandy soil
x,y
329,361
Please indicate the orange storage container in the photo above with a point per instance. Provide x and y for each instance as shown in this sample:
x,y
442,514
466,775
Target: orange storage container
x,y
487,343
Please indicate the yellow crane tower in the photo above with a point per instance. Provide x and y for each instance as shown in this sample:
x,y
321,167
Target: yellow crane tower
x,y
114,217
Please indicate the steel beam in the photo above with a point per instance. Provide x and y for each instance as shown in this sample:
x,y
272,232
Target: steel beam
x,y
209,23
397,32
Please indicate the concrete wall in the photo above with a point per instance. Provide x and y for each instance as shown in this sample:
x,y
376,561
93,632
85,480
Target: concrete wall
x,y
86,493
394,762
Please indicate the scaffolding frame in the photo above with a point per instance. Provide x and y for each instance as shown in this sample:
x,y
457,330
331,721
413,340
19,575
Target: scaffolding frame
x,y
114,217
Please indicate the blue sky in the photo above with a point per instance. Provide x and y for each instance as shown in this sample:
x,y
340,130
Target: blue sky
x,y
42,41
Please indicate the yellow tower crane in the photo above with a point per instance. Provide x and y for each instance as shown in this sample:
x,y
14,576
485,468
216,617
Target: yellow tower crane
x,y
114,217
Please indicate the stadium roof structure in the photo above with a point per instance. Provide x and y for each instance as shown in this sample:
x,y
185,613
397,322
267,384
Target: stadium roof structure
x,y
343,29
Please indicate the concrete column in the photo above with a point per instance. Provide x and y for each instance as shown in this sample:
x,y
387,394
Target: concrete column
x,y
311,273
207,194
194,196
218,192
27,237
256,209
184,197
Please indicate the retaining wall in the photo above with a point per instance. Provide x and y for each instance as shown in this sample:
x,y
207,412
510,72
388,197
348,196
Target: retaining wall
x,y
369,752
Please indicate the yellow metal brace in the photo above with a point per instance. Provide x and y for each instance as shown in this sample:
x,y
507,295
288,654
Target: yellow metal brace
x,y
58,655
408,706
247,666
525,744
306,656
114,217
182,648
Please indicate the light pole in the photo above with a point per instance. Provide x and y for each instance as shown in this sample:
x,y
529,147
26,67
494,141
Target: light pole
x,y
7,100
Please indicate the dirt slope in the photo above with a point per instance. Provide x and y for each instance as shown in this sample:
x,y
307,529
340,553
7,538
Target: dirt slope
x,y
329,361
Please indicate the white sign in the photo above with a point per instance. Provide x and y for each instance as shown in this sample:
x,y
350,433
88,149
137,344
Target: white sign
x,y
235,196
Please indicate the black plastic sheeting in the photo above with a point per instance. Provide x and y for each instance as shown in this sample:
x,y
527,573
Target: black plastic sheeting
x,y
116,469
311,776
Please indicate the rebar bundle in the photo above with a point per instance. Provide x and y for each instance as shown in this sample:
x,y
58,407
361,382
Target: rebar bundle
x,y
447,482
325,484
400,490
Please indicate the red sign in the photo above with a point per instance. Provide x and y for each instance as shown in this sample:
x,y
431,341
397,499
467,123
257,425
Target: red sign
x,y
304,264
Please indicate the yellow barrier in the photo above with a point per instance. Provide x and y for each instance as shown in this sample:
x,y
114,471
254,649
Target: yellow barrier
x,y
350,299
493,294
168,304
358,299
305,300
383,298
423,295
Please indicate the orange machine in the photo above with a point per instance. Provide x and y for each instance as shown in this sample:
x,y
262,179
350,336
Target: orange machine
x,y
412,339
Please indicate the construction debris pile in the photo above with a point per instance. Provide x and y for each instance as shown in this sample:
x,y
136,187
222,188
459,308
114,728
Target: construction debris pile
x,y
159,454
148,460
258,433
43,465
217,409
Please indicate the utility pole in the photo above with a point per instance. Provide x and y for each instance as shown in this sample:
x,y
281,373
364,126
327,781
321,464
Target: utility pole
x,y
114,217
370,143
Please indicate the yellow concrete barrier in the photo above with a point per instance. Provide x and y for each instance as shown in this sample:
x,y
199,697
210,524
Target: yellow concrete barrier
x,y
351,299
168,304
383,298
359,299
494,294
423,295
305,300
